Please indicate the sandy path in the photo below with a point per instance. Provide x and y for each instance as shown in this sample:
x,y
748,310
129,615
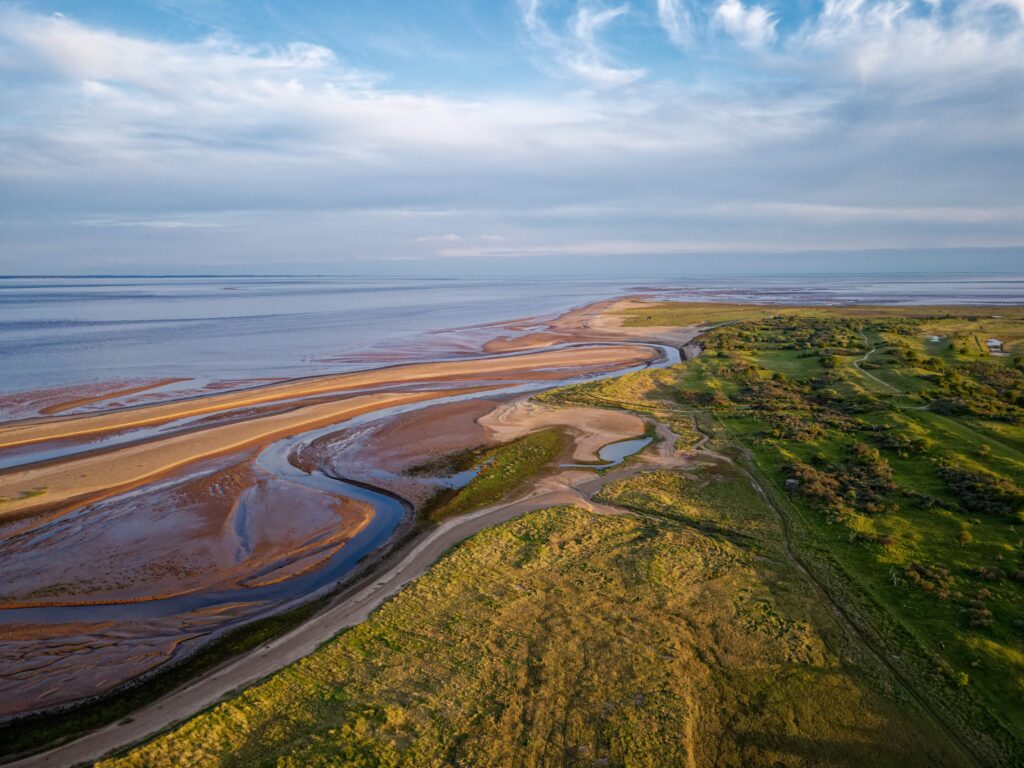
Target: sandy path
x,y
131,466
348,609
40,430
870,352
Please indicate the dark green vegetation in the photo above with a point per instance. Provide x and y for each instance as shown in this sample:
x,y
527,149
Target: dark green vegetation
x,y
33,733
900,463
678,635
500,471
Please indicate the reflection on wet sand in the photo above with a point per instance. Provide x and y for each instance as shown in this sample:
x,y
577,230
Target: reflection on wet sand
x,y
122,557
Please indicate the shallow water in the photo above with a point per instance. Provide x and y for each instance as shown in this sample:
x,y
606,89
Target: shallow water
x,y
616,453
388,514
63,331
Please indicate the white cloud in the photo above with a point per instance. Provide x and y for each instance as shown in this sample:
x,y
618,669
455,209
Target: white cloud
x,y
677,21
579,50
449,238
752,27
875,122
893,41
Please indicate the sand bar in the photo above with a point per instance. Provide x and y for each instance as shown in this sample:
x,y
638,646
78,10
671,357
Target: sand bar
x,y
119,470
40,430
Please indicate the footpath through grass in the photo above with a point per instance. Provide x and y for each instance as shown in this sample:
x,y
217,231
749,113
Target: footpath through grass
x,y
568,638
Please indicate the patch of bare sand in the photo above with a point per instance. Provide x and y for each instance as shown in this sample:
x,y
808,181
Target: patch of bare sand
x,y
119,470
535,364
382,453
592,428
606,320
536,340
601,321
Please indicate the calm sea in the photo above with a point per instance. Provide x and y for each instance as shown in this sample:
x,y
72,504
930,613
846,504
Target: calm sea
x,y
60,331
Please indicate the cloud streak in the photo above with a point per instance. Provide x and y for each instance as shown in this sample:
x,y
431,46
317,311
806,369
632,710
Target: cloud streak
x,y
872,123
752,27
579,50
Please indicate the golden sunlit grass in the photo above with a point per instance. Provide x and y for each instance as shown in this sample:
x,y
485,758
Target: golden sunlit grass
x,y
567,638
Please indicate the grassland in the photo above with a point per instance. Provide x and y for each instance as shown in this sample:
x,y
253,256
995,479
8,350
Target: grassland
x,y
678,634
899,462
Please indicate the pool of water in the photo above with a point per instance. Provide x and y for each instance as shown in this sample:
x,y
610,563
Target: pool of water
x,y
616,453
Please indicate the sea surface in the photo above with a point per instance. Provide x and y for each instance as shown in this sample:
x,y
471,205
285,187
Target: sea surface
x,y
65,331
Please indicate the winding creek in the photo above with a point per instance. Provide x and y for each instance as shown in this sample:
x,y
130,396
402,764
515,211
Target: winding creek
x,y
388,513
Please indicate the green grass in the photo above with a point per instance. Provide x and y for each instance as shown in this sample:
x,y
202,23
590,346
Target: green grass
x,y
683,632
942,321
568,638
960,635
647,393
502,470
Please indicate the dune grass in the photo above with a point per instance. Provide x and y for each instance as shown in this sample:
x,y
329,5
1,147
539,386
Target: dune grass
x,y
683,632
568,638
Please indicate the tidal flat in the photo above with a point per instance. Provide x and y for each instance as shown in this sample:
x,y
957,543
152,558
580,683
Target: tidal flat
x,y
823,510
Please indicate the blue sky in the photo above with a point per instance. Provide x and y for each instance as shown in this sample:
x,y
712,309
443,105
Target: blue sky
x,y
472,135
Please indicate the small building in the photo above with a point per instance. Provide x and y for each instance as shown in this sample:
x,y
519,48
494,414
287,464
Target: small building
x,y
995,346
792,483
934,339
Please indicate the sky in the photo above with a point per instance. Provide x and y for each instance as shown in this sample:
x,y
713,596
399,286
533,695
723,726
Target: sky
x,y
501,136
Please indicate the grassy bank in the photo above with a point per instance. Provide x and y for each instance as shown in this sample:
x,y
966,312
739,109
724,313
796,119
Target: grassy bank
x,y
500,471
503,469
567,638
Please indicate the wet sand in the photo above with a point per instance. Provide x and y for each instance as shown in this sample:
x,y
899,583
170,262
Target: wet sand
x,y
382,454
602,321
22,405
184,509
95,476
38,430
351,606
78,402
